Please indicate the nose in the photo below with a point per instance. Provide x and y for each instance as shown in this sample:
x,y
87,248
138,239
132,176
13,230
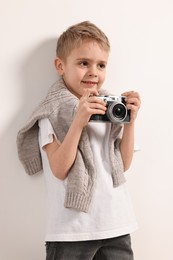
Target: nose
x,y
93,71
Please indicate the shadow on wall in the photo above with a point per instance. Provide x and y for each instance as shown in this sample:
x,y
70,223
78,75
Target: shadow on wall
x,y
36,75
21,194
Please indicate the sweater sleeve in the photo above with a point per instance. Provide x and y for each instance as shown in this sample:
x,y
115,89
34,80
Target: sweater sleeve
x,y
28,150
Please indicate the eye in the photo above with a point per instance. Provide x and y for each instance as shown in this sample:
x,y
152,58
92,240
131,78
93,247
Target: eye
x,y
102,65
83,63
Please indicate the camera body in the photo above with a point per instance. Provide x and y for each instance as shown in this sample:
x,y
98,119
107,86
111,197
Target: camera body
x,y
116,112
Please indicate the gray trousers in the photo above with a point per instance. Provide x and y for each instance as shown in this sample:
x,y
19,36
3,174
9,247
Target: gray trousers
x,y
118,248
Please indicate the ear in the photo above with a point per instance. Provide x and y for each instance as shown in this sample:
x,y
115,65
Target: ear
x,y
59,66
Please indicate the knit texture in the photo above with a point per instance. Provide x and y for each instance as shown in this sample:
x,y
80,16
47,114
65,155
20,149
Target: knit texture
x,y
59,107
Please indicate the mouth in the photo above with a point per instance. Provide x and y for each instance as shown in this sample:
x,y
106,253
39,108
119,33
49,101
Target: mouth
x,y
89,83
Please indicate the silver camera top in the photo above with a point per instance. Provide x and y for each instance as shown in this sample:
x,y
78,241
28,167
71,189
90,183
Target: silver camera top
x,y
117,99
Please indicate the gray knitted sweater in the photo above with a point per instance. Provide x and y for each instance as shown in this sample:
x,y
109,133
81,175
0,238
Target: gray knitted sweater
x,y
59,107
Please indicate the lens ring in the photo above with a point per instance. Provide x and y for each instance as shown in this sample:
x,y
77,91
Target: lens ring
x,y
117,112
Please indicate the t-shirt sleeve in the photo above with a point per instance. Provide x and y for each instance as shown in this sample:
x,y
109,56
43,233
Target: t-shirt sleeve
x,y
46,132
136,147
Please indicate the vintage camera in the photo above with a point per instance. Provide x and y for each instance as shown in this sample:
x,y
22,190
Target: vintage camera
x,y
116,112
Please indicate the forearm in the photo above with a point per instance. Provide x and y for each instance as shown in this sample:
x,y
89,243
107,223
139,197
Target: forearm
x,y
61,156
127,145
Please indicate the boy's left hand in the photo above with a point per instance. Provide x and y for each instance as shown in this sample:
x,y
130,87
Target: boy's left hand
x,y
133,103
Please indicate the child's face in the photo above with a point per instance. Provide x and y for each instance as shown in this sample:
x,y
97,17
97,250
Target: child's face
x,y
84,68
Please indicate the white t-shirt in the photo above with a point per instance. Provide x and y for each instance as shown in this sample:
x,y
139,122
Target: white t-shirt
x,y
111,212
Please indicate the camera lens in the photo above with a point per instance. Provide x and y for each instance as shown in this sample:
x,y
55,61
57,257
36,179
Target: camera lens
x,y
119,111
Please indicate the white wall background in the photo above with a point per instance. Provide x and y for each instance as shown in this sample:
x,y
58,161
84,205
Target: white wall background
x,y
141,36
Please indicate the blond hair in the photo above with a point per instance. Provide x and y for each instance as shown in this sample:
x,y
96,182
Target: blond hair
x,y
76,34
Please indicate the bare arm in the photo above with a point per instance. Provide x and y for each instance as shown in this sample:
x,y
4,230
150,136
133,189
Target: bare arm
x,y
127,142
61,156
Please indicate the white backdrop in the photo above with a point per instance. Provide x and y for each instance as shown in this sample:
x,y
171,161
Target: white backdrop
x,y
141,36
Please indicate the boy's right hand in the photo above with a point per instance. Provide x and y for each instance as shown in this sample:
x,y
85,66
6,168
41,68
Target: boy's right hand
x,y
89,105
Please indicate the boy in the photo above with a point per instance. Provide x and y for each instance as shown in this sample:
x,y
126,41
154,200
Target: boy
x,y
90,215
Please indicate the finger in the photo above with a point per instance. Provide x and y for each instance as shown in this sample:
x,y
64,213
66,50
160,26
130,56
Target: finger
x,y
95,99
127,93
132,107
131,94
133,100
86,93
94,92
98,106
